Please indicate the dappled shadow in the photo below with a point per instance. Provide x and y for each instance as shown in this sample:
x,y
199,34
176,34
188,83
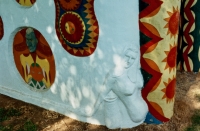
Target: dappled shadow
x,y
79,81
44,119
72,89
47,120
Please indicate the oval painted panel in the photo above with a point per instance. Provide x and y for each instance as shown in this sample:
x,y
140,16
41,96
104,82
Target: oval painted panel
x,y
34,59
1,29
76,26
26,2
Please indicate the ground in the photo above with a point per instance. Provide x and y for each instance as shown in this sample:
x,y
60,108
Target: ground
x,y
187,101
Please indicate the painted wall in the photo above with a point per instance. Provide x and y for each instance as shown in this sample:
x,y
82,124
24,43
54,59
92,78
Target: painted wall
x,y
99,82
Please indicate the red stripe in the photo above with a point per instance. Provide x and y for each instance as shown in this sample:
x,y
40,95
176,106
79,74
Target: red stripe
x,y
153,5
186,32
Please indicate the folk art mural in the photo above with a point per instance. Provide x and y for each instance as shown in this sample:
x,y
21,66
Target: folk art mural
x,y
88,61
76,26
34,59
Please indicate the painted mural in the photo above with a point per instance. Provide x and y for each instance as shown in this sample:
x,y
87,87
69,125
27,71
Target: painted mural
x,y
1,29
26,2
189,47
76,26
107,93
34,59
159,22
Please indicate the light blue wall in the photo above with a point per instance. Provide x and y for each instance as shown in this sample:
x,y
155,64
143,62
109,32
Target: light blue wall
x,y
78,81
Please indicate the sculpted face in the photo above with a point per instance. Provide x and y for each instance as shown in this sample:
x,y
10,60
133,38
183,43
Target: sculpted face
x,y
31,40
129,58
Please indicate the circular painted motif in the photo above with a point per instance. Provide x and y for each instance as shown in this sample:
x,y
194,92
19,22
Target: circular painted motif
x,y
34,59
72,27
76,26
26,2
70,4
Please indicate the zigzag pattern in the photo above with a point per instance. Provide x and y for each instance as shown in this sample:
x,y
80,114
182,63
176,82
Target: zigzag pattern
x,y
149,65
150,68
190,17
37,85
152,9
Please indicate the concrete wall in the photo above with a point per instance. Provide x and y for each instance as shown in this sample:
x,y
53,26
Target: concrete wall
x,y
101,88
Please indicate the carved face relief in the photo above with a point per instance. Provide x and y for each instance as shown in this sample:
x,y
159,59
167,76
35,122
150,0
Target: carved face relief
x,y
129,58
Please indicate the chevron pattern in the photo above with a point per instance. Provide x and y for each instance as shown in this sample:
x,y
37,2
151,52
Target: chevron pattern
x,y
188,54
159,32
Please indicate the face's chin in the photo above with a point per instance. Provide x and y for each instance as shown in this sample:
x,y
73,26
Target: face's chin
x,y
127,65
31,49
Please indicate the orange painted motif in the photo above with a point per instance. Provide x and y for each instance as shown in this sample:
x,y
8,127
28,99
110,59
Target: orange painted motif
x,y
169,90
171,58
26,2
34,60
76,26
173,22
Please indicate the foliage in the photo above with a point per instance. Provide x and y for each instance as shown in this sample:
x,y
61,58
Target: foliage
x,y
195,122
7,113
6,128
28,126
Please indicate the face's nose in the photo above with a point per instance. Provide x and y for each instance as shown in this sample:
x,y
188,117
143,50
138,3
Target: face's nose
x,y
129,59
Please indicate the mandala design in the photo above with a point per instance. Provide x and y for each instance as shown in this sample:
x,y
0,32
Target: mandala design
x,y
70,4
72,27
1,29
157,50
77,28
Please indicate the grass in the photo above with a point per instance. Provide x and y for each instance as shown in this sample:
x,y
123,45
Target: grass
x,y
195,122
6,114
5,128
28,126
